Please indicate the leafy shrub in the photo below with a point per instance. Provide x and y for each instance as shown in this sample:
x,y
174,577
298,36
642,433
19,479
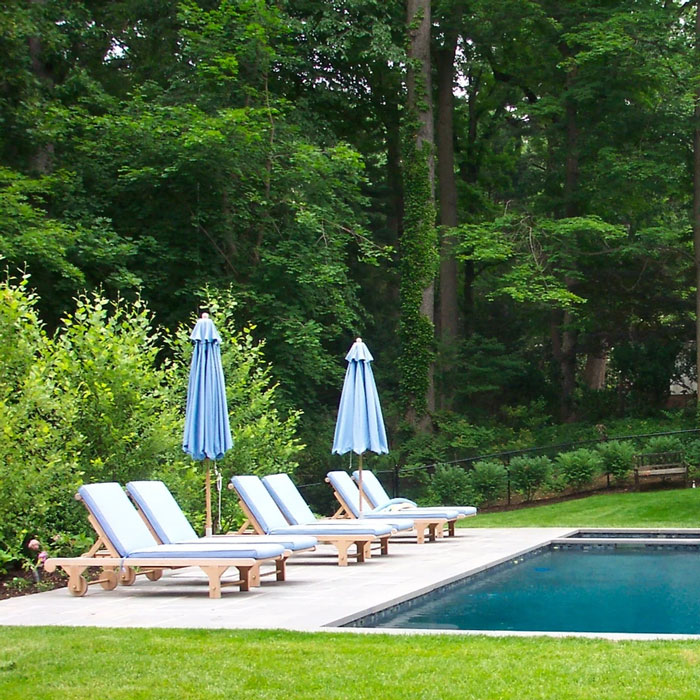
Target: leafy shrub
x,y
527,474
691,454
463,435
578,467
662,443
489,480
451,485
105,362
617,458
265,439
96,402
532,416
38,466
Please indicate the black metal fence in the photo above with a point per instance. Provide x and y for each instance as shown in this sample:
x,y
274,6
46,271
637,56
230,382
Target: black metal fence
x,y
410,477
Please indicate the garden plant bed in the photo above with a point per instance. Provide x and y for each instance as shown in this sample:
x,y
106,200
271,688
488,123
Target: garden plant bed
x,y
19,582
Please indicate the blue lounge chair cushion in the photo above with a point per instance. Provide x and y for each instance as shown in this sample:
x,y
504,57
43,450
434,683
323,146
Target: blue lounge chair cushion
x,y
260,503
129,535
162,511
213,551
286,495
294,543
328,529
172,527
264,509
117,517
349,492
379,498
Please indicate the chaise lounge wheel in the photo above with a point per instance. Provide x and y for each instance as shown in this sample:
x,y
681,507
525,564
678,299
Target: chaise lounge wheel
x,y
78,586
153,574
127,576
109,579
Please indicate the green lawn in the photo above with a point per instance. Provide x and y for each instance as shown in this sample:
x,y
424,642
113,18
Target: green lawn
x,y
82,663
114,663
673,508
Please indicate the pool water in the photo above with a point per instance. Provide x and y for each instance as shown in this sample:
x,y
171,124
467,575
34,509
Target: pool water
x,y
607,589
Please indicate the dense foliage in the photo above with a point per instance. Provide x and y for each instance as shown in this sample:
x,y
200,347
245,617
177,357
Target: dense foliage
x,y
91,402
529,267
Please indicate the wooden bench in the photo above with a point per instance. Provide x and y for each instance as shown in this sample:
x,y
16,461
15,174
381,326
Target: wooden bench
x,y
660,464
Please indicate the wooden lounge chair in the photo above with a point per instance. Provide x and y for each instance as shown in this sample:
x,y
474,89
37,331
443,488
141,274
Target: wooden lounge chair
x,y
124,543
265,517
297,512
348,496
380,501
168,524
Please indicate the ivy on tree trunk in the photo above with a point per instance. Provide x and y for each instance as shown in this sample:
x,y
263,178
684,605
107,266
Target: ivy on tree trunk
x,y
419,257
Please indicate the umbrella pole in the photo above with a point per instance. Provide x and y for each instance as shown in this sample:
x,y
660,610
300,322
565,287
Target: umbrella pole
x,y
359,481
207,489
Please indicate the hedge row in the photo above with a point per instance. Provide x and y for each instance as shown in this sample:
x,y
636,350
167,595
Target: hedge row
x,y
487,481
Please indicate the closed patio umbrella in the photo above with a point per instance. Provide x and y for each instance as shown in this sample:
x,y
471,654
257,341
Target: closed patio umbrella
x,y
360,424
207,434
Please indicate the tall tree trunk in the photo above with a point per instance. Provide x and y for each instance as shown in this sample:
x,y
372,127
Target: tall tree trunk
x,y
419,257
564,351
448,324
569,336
418,77
595,369
470,174
420,102
448,317
42,158
696,197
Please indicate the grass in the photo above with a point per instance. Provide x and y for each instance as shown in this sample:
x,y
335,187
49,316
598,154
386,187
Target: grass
x,y
146,663
110,663
669,508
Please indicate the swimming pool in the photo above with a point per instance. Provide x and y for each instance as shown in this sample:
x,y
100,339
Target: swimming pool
x,y
605,583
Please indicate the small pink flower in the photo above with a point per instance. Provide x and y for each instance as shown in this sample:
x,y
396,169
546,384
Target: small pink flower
x,y
43,556
34,544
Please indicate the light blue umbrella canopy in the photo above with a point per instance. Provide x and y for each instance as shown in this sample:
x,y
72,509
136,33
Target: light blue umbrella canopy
x,y
207,434
360,424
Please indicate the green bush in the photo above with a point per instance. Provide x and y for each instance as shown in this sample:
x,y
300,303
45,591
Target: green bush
x,y
451,485
97,402
691,455
490,481
662,443
104,357
578,467
528,474
617,458
38,448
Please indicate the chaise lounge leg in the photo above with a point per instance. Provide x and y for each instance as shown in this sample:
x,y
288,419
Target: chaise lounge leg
x,y
343,552
281,569
384,542
77,585
214,573
255,576
420,533
451,528
360,547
